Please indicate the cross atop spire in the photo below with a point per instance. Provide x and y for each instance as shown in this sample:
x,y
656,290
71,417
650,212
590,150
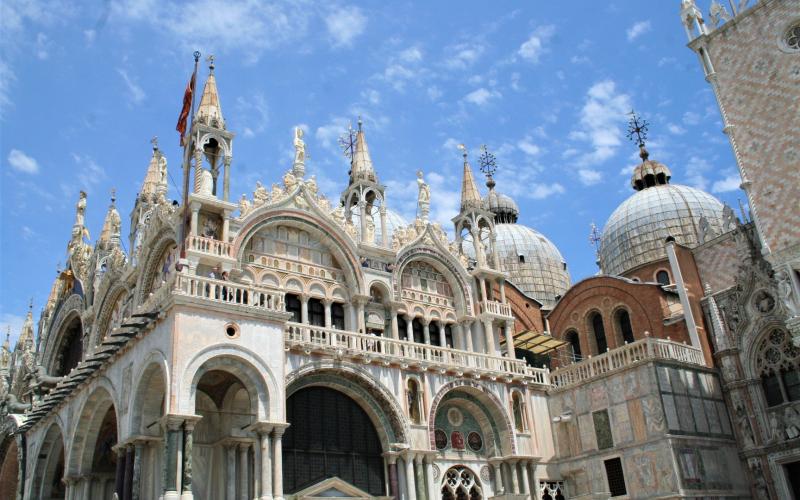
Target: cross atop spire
x,y
154,142
210,60
488,165
638,127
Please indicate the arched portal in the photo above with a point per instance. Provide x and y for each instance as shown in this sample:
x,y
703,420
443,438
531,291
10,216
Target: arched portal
x,y
460,483
92,457
330,436
9,467
147,411
222,454
69,349
49,470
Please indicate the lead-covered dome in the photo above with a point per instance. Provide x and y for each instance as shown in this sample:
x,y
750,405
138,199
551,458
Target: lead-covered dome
x,y
533,263
635,233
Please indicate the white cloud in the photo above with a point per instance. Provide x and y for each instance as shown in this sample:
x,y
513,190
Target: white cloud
x,y
675,129
729,183
696,170
542,191
434,93
21,162
589,177
397,75
372,96
515,78
482,96
89,36
42,46
691,118
600,120
528,147
136,94
7,78
638,29
328,134
345,25
533,48
411,55
462,55
89,174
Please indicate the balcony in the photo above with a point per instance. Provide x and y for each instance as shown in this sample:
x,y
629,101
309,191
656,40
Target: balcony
x,y
209,246
369,348
495,308
252,297
630,354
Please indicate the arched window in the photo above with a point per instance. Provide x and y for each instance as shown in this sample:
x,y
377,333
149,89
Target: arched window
x,y
448,335
575,344
624,324
433,329
599,332
518,407
402,327
418,330
414,396
778,364
316,312
70,349
293,306
337,315
461,484
663,277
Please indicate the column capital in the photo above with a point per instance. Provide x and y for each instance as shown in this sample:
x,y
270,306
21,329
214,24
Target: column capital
x,y
262,427
278,428
391,456
360,299
174,421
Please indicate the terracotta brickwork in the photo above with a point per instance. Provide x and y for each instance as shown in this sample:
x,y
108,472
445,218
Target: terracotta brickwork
x,y
757,81
527,311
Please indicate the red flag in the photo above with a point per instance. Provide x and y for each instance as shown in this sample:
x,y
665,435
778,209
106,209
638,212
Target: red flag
x,y
187,106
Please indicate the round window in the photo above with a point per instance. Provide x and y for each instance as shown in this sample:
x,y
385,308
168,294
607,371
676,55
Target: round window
x,y
475,441
791,38
232,330
441,439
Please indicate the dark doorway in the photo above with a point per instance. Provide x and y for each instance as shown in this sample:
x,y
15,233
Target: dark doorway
x,y
330,435
793,476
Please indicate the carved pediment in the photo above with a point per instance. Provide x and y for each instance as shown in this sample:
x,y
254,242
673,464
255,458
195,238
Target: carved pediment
x,y
333,488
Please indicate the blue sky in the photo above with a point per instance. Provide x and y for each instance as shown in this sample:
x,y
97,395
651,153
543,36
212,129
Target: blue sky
x,y
546,85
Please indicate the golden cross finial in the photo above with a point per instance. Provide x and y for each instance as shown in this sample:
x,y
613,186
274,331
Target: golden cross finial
x,y
210,60
154,142
113,195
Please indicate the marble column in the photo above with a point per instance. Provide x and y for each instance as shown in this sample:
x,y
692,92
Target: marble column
x,y
442,334
523,469
198,168
195,208
411,488
362,212
512,474
171,458
395,327
230,479
277,463
328,321
498,478
391,459
488,330
244,470
226,225
502,284
226,180
266,465
188,446
127,484
362,327
419,476
483,289
384,232
304,309
409,328
466,329
509,331
426,330
429,480
120,471
138,450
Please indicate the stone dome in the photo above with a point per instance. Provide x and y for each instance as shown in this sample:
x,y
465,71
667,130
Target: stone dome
x,y
533,263
635,233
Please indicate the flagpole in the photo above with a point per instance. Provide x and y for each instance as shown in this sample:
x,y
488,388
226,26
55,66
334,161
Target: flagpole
x,y
187,169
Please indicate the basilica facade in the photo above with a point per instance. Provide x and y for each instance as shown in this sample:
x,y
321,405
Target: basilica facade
x,y
286,345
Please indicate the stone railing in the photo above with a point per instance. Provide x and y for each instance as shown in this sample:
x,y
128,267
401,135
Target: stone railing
x,y
342,343
228,292
209,246
616,359
495,308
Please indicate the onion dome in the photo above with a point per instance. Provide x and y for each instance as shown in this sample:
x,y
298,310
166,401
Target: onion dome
x,y
636,231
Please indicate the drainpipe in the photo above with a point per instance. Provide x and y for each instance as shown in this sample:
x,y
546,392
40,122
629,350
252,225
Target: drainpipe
x,y
688,316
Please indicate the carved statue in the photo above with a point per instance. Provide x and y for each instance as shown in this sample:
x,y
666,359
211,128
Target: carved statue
x,y
260,195
311,186
791,422
704,232
717,13
276,194
299,146
786,292
424,198
729,220
744,424
289,181
80,209
206,185
338,215
244,205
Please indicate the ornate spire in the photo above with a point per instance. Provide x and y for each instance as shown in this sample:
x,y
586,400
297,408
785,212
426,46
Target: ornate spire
x,y
111,225
362,163
155,180
470,196
26,335
210,112
649,173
